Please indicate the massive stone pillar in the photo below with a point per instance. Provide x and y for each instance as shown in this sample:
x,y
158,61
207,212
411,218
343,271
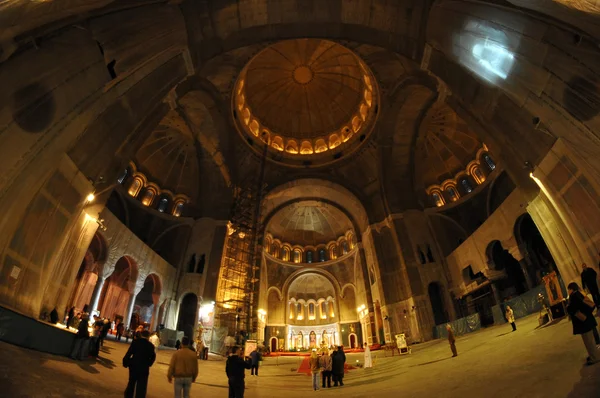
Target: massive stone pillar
x,y
155,321
370,328
96,293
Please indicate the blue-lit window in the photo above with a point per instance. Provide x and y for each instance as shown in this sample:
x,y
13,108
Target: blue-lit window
x,y
123,177
162,205
494,58
466,185
309,257
488,160
322,255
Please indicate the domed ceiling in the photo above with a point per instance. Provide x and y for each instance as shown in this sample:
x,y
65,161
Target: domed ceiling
x,y
311,286
305,96
168,157
444,147
309,223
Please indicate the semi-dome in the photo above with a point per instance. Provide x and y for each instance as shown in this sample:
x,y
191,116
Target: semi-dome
x,y
309,223
304,97
444,147
311,286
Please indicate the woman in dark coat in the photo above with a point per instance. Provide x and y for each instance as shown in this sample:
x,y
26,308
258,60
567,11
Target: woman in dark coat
x,y
338,358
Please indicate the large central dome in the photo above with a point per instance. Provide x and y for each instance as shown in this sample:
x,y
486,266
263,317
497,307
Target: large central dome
x,y
305,97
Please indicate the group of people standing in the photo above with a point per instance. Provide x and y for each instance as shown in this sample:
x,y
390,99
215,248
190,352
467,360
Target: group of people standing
x,y
329,366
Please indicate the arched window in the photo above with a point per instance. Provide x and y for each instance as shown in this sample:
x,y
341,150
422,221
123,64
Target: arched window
x,y
488,160
286,254
148,197
322,255
438,200
309,256
452,193
123,176
292,310
331,311
162,205
135,187
345,249
466,185
297,256
299,311
323,310
178,209
274,250
478,175
332,252
311,311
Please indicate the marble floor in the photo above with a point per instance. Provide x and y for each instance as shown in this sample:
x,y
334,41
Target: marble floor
x,y
531,362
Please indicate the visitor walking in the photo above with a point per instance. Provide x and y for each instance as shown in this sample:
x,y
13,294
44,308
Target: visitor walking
x,y
313,362
184,369
589,281
139,358
451,340
510,317
254,358
337,366
368,359
325,364
105,328
581,309
120,330
235,368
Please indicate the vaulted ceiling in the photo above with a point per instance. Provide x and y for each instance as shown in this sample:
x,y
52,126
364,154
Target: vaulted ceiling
x,y
389,168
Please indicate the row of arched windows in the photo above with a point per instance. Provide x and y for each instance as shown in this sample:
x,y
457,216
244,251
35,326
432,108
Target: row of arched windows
x,y
149,194
309,255
451,191
321,309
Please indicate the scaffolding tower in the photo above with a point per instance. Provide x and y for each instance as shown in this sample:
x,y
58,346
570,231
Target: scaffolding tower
x,y
240,269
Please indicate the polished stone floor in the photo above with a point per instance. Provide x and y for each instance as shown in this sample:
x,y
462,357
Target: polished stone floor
x,y
531,362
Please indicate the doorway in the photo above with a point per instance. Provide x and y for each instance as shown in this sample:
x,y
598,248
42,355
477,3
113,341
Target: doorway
x,y
539,260
352,340
273,344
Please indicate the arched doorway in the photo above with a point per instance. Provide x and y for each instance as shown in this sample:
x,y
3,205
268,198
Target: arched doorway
x,y
188,314
352,340
500,259
538,259
87,275
146,302
117,289
274,344
440,315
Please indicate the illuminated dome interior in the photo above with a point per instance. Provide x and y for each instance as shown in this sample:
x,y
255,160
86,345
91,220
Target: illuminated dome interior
x,y
305,97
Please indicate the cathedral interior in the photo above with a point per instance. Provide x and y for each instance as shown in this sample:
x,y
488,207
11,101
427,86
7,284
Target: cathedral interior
x,y
309,172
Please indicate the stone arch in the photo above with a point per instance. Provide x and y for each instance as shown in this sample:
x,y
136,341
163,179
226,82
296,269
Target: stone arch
x,y
536,255
500,259
277,308
118,288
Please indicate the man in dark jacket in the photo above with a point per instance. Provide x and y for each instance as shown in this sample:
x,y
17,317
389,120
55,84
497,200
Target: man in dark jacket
x,y
589,281
338,359
80,349
236,369
138,359
580,309
254,358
